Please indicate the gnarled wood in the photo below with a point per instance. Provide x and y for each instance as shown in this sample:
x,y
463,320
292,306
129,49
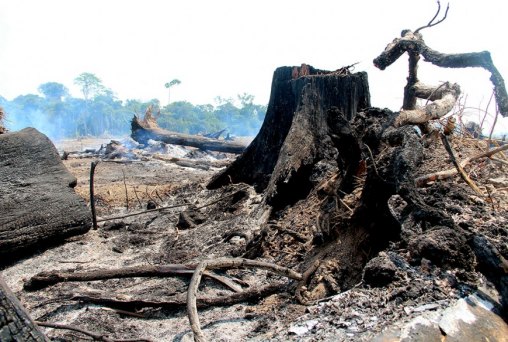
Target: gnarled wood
x,y
38,205
413,44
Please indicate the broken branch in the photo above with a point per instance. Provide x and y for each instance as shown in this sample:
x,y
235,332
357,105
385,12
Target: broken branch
x,y
457,165
421,181
251,294
96,337
224,263
45,279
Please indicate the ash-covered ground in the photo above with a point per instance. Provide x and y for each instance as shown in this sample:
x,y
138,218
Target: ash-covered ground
x,y
413,284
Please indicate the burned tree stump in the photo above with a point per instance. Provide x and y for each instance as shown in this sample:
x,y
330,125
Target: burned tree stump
x,y
296,135
15,323
38,205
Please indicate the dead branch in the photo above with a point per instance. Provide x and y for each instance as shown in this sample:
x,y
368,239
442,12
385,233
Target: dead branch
x,y
170,207
444,98
92,198
413,43
45,279
224,263
126,194
457,165
95,336
180,301
142,212
421,181
192,309
431,22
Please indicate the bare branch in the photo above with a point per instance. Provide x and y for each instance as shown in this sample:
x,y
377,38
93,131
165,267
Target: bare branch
x,y
431,22
413,43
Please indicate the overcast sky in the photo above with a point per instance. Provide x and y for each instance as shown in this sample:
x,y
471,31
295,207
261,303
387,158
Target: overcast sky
x,y
227,47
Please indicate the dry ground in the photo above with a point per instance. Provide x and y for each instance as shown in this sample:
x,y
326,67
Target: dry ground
x,y
154,239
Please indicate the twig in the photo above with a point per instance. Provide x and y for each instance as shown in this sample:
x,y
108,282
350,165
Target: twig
x,y
126,194
431,22
92,198
421,181
136,193
492,128
142,212
499,160
294,234
97,337
169,207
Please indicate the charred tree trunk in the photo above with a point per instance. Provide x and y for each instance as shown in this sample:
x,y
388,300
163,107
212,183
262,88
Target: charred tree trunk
x,y
296,135
143,130
38,205
15,323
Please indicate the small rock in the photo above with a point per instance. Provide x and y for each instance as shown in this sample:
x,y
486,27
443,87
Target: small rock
x,y
379,271
470,320
444,247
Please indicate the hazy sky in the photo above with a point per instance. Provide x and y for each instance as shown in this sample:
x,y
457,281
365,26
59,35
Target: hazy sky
x,y
226,47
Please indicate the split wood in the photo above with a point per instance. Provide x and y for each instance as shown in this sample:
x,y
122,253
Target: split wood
x,y
45,279
192,310
95,336
421,181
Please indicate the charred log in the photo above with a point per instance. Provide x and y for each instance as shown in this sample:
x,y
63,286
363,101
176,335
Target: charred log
x,y
144,130
15,323
38,204
296,135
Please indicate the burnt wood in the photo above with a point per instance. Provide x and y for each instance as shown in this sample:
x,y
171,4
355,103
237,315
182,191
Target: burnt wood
x,y
38,205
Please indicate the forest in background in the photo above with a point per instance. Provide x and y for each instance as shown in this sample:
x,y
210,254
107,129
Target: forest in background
x,y
99,113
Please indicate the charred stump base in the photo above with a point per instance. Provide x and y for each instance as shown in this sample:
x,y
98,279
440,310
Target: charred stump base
x,y
322,153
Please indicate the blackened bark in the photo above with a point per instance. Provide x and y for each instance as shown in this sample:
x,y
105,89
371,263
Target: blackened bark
x,y
15,323
142,133
296,135
413,44
38,204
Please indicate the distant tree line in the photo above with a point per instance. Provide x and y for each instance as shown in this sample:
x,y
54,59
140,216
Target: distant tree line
x,y
56,113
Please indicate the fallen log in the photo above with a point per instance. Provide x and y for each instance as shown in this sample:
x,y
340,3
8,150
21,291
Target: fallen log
x,y
15,323
145,129
38,204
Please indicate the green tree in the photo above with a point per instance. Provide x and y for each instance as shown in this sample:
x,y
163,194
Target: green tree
x,y
53,91
169,85
90,85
